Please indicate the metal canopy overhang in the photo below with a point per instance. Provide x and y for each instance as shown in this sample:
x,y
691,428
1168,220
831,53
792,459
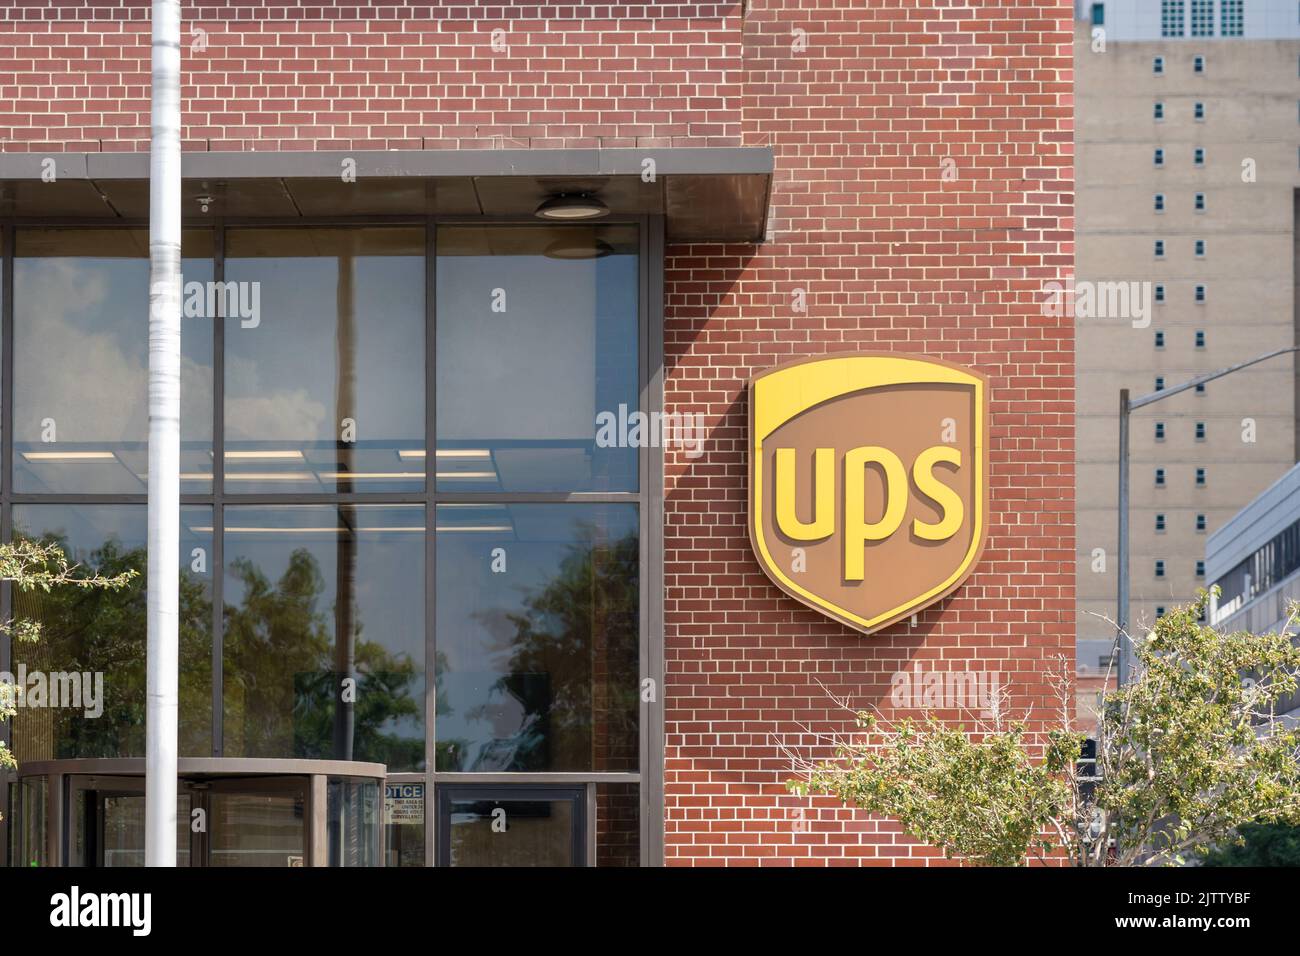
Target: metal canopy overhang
x,y
705,194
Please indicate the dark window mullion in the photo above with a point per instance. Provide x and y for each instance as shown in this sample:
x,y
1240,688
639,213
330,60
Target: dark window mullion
x,y
430,544
217,565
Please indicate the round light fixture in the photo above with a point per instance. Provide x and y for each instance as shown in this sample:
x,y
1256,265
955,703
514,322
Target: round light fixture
x,y
572,207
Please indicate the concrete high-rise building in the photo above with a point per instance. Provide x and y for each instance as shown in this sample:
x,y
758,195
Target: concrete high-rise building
x,y
1188,157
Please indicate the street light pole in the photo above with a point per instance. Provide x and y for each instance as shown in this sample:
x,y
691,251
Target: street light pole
x,y
1126,408
1121,611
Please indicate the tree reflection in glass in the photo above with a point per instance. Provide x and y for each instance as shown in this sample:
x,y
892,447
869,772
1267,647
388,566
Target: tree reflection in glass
x,y
289,613
103,632
537,633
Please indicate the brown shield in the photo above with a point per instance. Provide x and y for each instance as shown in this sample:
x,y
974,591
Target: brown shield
x,y
916,424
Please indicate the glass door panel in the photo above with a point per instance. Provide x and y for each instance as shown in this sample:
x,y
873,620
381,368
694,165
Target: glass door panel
x,y
511,826
258,822
108,823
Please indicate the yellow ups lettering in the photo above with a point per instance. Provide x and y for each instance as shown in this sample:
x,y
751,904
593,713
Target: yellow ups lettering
x,y
949,501
857,530
822,524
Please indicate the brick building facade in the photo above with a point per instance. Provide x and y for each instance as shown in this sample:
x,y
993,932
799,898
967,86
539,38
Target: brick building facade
x,y
922,196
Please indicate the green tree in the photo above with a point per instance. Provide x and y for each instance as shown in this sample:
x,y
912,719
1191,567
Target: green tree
x,y
103,630
1188,750
42,567
1259,844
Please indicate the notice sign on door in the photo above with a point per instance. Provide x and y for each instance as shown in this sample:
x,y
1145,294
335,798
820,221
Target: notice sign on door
x,y
404,803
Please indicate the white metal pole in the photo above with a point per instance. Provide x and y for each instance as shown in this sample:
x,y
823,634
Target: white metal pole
x,y
164,435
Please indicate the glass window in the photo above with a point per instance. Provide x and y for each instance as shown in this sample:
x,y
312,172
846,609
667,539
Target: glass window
x,y
1160,569
81,362
1160,476
1171,18
1159,248
1198,111
1158,110
324,633
1158,157
1231,18
352,822
93,642
508,826
1202,18
618,824
1098,14
1158,65
537,348
537,636
31,836
325,360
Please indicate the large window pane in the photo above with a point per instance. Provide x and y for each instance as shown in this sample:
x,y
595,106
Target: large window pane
x,y
99,635
325,366
537,336
537,637
324,633
81,362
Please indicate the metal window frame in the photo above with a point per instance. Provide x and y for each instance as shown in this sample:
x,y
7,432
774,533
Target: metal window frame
x,y
648,498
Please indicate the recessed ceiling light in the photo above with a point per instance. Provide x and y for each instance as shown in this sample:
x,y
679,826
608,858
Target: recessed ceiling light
x,y
69,455
373,475
570,208
288,454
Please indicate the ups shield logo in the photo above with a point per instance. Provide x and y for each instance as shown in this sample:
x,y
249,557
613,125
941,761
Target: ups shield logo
x,y
868,482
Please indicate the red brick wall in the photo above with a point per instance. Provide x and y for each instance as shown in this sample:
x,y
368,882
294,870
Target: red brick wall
x,y
892,256
866,105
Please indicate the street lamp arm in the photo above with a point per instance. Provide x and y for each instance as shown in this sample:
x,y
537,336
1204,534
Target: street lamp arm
x,y
1136,403
1127,405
